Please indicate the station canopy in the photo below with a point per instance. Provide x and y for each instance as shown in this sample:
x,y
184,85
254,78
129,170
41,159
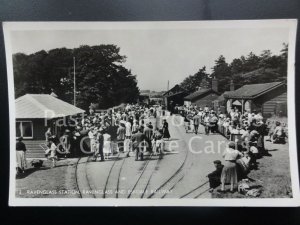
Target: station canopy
x,y
34,106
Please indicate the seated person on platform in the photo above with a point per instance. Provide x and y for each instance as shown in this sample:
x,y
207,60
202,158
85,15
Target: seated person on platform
x,y
215,176
279,134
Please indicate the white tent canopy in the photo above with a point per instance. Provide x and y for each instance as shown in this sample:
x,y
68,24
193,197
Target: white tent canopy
x,y
43,106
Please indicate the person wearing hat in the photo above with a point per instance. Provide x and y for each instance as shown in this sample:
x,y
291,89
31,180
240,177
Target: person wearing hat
x,y
20,155
214,177
229,172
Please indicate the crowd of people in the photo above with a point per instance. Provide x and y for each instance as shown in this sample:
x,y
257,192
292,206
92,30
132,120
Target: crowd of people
x,y
129,128
134,128
246,133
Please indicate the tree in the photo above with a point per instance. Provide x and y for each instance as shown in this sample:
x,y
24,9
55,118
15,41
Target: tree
x,y
222,72
283,59
100,76
192,82
251,69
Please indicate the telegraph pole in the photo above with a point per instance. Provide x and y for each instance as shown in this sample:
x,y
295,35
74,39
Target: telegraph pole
x,y
168,85
74,81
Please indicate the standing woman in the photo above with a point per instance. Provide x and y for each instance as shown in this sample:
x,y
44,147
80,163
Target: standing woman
x,y
229,172
128,129
48,135
106,144
20,155
166,133
261,129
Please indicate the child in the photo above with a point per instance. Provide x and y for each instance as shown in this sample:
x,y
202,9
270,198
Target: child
x,y
53,149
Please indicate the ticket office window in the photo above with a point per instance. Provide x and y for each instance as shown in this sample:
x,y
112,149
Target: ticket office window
x,y
24,129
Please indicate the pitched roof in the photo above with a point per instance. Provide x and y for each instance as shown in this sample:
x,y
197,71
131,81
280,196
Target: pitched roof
x,y
43,106
174,90
221,97
199,93
251,91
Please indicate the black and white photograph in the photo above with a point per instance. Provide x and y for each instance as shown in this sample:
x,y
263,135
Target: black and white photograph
x,y
185,113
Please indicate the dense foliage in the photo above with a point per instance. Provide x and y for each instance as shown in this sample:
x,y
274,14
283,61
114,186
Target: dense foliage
x,y
100,76
249,69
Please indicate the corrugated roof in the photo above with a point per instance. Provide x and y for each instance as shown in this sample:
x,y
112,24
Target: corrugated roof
x,y
251,91
43,106
198,94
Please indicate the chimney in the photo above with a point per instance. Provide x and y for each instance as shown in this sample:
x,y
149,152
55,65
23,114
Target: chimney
x,y
215,84
231,85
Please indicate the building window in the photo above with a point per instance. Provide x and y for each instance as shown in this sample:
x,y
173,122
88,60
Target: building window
x,y
24,129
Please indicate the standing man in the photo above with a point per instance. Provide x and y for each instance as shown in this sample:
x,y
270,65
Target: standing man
x,y
137,140
196,120
148,132
100,140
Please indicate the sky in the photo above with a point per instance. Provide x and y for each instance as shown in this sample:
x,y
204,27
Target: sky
x,y
156,56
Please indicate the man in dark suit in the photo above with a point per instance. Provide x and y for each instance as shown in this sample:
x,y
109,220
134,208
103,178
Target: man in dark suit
x,y
137,140
148,132
101,143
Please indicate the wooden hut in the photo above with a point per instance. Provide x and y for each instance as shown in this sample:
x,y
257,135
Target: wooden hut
x,y
175,96
36,112
267,98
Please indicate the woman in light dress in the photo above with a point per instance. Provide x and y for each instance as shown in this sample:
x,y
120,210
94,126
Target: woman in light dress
x,y
128,129
53,149
229,172
107,150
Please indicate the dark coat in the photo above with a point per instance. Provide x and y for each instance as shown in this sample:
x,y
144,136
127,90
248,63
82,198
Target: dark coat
x,y
166,133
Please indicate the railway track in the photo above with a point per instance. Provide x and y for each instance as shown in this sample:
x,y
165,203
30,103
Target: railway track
x,y
112,184
82,181
174,179
140,187
196,192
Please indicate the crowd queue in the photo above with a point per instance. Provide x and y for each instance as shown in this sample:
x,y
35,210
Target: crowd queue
x,y
246,133
128,128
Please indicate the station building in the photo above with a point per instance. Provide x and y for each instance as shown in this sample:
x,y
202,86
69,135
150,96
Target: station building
x,y
267,98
